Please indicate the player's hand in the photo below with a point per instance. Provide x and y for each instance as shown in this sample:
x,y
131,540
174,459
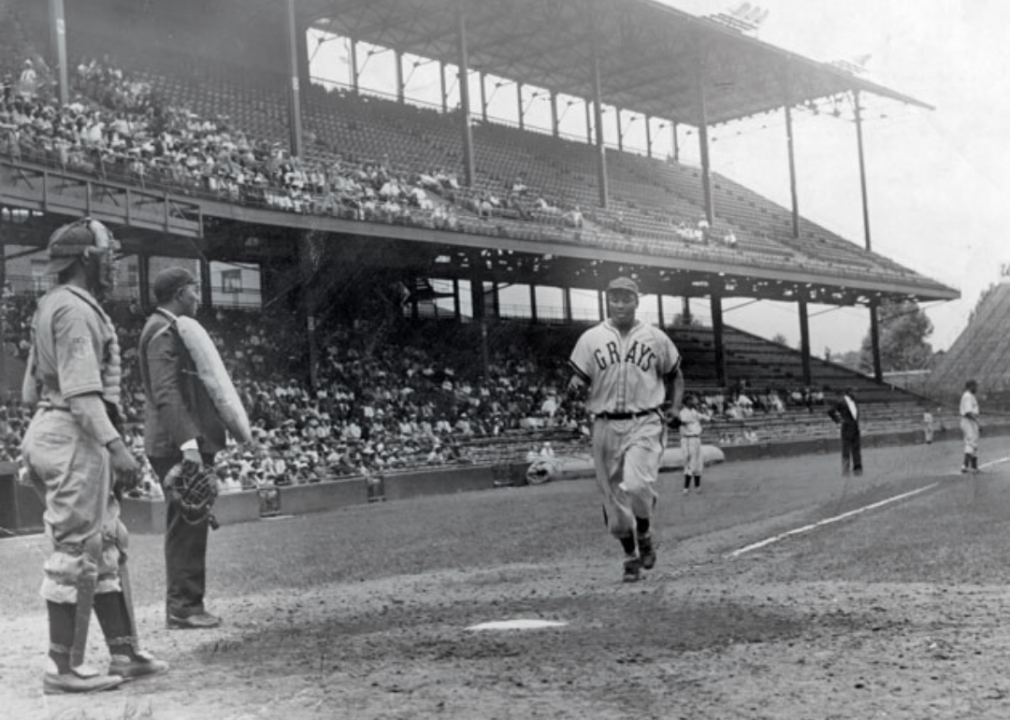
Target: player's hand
x,y
125,468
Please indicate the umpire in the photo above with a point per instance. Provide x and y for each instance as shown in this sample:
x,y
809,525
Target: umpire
x,y
181,425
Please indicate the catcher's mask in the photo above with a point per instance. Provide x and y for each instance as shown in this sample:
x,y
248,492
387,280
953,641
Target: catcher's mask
x,y
194,488
92,243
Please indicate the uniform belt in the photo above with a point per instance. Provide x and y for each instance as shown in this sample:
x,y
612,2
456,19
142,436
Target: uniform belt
x,y
625,415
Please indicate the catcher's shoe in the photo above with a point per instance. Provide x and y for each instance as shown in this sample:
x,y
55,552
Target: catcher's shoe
x,y
647,551
632,569
81,679
199,621
143,664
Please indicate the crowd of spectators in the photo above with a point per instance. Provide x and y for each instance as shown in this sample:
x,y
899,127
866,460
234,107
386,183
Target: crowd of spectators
x,y
379,405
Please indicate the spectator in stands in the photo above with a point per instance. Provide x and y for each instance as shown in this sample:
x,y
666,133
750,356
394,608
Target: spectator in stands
x,y
845,414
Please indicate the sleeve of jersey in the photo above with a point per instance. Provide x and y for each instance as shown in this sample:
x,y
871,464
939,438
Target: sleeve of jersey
x,y
77,361
671,356
579,362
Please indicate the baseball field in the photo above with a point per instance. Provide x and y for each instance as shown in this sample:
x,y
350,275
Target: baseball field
x,y
782,591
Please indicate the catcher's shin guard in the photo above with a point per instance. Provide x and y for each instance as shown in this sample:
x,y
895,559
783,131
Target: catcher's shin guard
x,y
87,583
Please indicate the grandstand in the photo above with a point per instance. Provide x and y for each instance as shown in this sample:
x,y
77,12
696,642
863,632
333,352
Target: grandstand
x,y
979,353
211,142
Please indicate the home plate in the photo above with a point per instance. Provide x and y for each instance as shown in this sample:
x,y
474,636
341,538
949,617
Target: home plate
x,y
518,624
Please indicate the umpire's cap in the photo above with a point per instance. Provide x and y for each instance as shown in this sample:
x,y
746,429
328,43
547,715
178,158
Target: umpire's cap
x,y
170,280
623,283
68,243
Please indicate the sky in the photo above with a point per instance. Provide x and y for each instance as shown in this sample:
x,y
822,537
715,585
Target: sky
x,y
937,179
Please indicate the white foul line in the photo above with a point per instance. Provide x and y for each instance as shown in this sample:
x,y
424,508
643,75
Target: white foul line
x,y
827,521
850,513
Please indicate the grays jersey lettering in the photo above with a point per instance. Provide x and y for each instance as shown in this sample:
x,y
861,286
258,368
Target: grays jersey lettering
x,y
638,354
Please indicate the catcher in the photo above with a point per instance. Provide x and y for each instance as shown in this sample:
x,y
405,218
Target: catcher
x,y
75,454
183,431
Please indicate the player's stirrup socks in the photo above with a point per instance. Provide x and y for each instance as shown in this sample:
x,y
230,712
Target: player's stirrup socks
x,y
628,543
111,611
687,482
61,633
642,526
967,461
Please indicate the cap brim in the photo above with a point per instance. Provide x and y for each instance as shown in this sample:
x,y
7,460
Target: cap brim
x,y
58,265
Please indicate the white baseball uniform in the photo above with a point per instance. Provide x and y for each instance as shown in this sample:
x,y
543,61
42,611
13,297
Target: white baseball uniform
x,y
626,378
690,440
969,426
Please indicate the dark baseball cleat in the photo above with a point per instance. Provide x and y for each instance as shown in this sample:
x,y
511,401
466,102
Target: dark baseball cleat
x,y
647,551
199,621
142,665
632,570
81,679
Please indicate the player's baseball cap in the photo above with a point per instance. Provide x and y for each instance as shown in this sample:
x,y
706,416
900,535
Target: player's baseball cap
x,y
170,280
623,283
66,244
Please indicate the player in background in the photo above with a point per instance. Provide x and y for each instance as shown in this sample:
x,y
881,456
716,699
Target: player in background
x,y
632,372
970,427
690,441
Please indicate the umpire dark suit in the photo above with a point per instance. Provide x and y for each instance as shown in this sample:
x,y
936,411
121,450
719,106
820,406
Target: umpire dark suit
x,y
845,413
178,412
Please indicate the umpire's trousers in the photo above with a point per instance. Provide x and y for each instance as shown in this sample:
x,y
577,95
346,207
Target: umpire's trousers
x,y
185,550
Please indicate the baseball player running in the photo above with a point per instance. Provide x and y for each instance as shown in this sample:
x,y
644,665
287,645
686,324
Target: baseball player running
x,y
690,442
632,372
969,427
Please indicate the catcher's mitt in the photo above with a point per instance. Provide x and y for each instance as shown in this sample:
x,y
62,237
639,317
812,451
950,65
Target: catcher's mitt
x,y
194,488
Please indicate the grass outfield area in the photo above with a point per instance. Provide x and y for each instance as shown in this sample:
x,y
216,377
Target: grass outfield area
x,y
363,612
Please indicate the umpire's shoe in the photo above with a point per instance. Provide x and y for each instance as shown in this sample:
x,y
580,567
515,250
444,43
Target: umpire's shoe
x,y
198,621
632,569
81,679
141,665
647,551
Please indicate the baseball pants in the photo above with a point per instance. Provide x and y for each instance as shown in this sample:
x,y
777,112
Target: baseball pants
x,y
969,428
627,455
691,447
82,516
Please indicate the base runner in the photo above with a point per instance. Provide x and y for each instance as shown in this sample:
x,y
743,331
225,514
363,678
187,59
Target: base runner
x,y
632,371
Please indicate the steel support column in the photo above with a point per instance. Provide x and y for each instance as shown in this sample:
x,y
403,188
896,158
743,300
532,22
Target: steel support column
x,y
601,150
805,342
206,286
706,168
401,89
533,303
555,121
445,88
589,121
463,62
58,35
355,71
878,371
659,310
294,81
144,278
566,305
676,142
457,310
648,136
718,339
519,100
483,96
307,272
791,146
620,131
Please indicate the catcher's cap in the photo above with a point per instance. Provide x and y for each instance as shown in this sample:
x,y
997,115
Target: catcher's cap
x,y
170,280
623,283
67,244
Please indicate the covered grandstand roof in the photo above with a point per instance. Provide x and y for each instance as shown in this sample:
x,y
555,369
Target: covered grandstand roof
x,y
648,52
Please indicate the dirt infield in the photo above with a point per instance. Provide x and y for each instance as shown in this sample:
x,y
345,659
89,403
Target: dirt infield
x,y
363,613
